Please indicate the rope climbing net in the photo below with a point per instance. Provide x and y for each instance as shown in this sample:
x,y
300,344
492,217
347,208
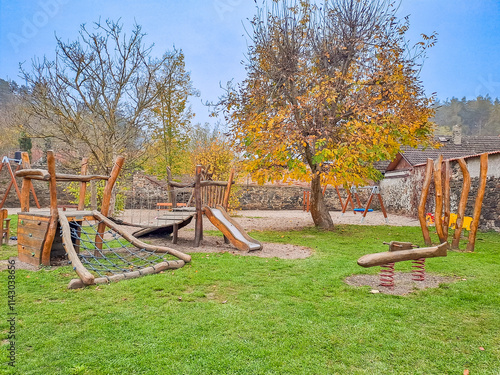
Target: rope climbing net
x,y
108,253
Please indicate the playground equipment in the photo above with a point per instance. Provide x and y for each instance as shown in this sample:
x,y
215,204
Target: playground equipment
x,y
21,160
231,229
98,249
207,197
399,252
442,215
212,199
375,191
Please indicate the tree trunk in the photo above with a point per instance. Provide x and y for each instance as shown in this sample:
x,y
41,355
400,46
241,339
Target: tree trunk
x,y
319,211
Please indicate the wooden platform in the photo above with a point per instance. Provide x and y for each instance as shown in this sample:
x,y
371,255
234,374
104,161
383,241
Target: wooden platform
x,y
31,231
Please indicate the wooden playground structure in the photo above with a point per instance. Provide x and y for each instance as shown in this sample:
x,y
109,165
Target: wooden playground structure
x,y
443,217
209,198
98,249
443,220
97,246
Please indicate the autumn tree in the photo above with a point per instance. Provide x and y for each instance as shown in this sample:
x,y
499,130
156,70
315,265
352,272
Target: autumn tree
x,y
211,148
96,93
171,117
330,89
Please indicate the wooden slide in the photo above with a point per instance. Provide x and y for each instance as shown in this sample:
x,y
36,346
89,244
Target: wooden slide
x,y
231,229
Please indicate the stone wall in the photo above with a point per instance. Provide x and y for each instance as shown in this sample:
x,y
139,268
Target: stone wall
x,y
255,197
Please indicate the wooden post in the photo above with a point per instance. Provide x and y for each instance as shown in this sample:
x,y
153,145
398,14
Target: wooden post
x,y
349,200
479,202
338,194
446,198
227,193
25,194
106,198
462,205
171,195
199,213
382,207
93,195
12,182
25,163
438,185
83,185
423,200
54,215
367,205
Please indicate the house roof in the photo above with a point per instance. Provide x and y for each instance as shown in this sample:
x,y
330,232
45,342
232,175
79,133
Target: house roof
x,y
470,146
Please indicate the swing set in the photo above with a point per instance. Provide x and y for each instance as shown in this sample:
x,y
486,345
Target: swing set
x,y
375,191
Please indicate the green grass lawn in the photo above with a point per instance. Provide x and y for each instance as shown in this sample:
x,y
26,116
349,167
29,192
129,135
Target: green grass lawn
x,y
229,314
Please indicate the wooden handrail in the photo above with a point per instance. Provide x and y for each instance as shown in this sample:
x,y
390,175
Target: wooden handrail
x,y
44,175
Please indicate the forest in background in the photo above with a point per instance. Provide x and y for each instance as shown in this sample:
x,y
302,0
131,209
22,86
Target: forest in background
x,y
477,117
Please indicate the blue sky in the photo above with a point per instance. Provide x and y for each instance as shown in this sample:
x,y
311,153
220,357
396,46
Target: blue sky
x,y
464,62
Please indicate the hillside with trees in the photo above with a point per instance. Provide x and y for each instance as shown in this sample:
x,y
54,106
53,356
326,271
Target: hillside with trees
x,y
480,116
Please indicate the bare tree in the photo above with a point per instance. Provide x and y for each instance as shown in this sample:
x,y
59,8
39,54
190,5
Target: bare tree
x,y
96,93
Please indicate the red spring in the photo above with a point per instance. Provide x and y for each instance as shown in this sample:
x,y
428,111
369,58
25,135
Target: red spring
x,y
418,272
387,275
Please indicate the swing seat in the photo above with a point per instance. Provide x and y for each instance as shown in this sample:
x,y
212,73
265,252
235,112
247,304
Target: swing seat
x,y
362,210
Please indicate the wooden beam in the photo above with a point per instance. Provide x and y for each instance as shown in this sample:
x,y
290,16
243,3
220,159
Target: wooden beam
x,y
43,175
462,205
378,259
25,164
479,202
423,200
438,185
106,198
446,198
51,231
83,184
86,278
168,265
198,236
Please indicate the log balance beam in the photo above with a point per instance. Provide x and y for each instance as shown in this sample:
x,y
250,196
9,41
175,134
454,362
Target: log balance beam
x,y
379,259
